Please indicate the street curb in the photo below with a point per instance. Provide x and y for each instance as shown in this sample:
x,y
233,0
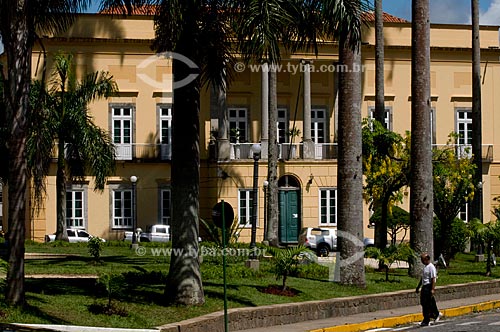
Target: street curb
x,y
411,318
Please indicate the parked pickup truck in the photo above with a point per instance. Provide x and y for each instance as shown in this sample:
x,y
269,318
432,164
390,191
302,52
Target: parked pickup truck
x,y
74,236
155,233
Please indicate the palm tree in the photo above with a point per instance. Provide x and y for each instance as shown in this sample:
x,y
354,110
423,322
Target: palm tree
x,y
21,21
421,196
379,114
350,168
262,28
60,113
266,25
477,202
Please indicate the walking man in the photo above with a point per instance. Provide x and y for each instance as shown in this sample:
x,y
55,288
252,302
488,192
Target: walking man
x,y
428,283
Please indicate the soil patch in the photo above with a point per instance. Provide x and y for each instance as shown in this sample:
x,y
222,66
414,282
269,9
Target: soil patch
x,y
278,290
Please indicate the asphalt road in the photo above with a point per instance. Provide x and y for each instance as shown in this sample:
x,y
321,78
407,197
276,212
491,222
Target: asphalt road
x,y
481,322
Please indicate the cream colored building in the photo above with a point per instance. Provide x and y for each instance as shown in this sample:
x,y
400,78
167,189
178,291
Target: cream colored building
x,y
139,120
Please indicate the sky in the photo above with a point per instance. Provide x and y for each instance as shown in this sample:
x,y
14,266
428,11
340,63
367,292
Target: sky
x,y
442,11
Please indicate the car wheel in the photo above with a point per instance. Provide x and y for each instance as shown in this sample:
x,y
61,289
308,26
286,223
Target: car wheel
x,y
323,250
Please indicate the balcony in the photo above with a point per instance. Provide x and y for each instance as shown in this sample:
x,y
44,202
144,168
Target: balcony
x,y
287,151
146,151
465,150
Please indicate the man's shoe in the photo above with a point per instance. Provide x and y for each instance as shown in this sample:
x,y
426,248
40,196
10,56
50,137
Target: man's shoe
x,y
438,318
424,324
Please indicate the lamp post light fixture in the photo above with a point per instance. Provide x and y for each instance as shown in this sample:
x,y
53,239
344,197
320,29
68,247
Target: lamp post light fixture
x,y
256,149
133,179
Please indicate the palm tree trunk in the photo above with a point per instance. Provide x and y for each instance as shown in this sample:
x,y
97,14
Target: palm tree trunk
x,y
350,171
184,285
477,201
272,161
61,193
379,63
15,37
421,196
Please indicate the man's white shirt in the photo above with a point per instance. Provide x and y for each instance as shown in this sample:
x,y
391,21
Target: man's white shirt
x,y
428,273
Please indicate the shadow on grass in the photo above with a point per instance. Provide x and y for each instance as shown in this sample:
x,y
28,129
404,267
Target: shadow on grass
x,y
55,286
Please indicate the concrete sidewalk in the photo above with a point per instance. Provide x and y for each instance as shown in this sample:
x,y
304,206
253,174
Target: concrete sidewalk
x,y
387,318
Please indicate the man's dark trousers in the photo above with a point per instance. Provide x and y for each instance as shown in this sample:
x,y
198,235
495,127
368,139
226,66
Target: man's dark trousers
x,y
428,302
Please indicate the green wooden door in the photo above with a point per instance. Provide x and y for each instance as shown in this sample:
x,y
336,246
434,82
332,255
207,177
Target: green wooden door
x,y
289,226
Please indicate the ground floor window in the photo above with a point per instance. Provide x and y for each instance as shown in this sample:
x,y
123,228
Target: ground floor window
x,y
245,207
75,217
165,206
328,207
122,208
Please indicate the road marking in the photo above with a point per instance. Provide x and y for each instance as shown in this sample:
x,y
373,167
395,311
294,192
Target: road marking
x,y
468,323
381,329
495,323
403,328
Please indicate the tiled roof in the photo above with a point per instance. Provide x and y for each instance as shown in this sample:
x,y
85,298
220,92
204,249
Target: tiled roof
x,y
149,10
388,18
136,10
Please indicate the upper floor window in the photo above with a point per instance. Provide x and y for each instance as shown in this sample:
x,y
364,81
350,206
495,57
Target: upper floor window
x,y
464,131
121,129
464,126
318,125
165,130
282,125
238,123
328,207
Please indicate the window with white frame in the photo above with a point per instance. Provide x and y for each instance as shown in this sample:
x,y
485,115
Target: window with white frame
x,y
328,206
282,126
165,206
433,125
464,126
237,124
121,129
165,114
245,207
387,116
122,208
165,131
464,131
318,125
464,212
75,209
122,125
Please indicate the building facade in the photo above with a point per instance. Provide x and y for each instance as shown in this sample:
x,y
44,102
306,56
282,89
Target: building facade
x,y
139,118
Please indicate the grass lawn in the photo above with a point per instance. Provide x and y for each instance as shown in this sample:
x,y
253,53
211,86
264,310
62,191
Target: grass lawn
x,y
138,289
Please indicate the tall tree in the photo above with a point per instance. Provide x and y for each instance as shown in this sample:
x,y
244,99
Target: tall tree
x,y
198,30
262,28
350,168
265,26
379,73
21,20
477,138
386,166
421,194
453,187
60,112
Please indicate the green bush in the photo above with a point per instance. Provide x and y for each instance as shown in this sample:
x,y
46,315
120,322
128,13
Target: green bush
x,y
458,237
313,271
95,247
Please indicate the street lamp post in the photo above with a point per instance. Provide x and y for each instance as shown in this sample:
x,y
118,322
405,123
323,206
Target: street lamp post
x,y
266,184
133,179
256,148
